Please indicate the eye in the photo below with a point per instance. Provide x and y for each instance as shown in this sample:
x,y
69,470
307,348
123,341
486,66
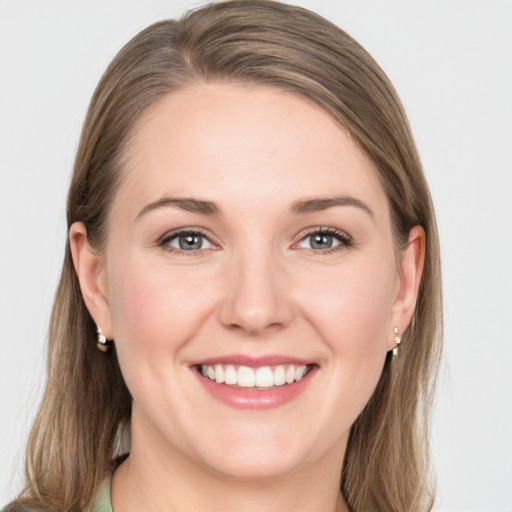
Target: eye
x,y
324,239
188,241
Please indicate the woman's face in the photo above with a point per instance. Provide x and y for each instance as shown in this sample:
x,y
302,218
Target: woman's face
x,y
250,241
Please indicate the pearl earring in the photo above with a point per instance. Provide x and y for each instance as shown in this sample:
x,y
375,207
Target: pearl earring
x,y
102,343
397,340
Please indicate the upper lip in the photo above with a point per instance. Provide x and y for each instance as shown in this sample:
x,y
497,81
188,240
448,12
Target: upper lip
x,y
253,361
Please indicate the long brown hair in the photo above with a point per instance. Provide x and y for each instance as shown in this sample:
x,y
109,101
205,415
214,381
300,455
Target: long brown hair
x,y
83,422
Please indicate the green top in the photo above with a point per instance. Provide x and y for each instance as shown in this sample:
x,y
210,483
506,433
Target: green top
x,y
102,503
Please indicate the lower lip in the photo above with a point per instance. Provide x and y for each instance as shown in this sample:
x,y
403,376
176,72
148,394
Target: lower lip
x,y
249,398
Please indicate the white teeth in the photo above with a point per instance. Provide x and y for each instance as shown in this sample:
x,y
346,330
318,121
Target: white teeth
x,y
279,376
230,375
264,377
261,377
246,377
219,374
300,372
290,374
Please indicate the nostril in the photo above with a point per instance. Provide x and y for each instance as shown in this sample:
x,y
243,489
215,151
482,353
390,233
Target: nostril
x,y
254,329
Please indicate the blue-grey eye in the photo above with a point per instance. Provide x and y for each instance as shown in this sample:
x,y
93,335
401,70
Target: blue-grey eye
x,y
320,241
189,242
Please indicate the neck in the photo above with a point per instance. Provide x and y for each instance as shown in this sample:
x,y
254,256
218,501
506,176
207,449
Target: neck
x,y
173,482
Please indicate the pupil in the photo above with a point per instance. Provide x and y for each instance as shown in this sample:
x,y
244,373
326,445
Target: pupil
x,y
188,242
321,241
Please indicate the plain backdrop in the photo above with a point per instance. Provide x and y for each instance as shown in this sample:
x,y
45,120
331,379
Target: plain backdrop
x,y
451,61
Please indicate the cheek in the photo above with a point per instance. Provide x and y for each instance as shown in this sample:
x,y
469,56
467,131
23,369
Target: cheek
x,y
352,305
154,309
349,309
352,316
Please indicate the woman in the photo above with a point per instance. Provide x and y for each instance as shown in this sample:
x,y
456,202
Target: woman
x,y
251,241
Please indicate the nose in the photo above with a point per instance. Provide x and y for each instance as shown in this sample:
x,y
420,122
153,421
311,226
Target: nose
x,y
257,298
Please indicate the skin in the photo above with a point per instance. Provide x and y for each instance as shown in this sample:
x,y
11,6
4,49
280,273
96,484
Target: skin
x,y
256,288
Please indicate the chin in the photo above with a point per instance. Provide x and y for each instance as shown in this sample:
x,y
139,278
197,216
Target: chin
x,y
257,469
264,455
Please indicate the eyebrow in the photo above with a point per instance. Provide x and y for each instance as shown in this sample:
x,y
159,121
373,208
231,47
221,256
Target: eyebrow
x,y
318,204
188,204
302,207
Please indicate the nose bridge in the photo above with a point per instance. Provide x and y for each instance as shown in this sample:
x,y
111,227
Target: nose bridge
x,y
256,297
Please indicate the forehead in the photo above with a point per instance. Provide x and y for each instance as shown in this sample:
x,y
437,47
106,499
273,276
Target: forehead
x,y
244,145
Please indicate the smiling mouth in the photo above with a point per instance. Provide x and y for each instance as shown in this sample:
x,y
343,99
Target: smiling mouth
x,y
245,377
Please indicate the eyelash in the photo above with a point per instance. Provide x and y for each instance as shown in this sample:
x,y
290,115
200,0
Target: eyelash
x,y
342,237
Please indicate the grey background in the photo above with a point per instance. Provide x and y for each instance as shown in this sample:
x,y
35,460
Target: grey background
x,y
451,63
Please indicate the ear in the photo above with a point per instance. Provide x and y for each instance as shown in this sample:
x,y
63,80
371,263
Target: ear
x,y
411,270
90,270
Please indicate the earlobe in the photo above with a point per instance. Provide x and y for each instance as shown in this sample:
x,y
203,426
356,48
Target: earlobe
x,y
90,271
411,271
